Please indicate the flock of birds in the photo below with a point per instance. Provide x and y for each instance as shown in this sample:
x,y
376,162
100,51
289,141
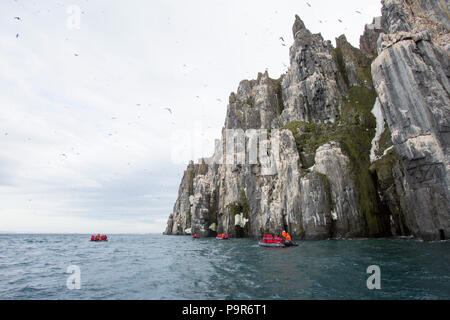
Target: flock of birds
x,y
168,109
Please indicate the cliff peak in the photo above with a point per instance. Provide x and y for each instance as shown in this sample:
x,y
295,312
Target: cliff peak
x,y
299,25
341,41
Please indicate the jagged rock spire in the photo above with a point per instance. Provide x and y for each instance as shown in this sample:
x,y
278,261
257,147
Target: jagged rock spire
x,y
298,26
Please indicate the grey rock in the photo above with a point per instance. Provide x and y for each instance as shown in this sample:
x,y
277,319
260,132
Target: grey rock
x,y
411,76
335,165
418,15
255,105
320,191
312,87
368,41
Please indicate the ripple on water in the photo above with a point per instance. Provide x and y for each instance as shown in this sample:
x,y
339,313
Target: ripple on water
x,y
158,267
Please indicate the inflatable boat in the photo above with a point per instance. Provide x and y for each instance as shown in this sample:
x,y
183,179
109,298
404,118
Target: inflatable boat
x,y
272,245
286,244
270,241
101,239
291,244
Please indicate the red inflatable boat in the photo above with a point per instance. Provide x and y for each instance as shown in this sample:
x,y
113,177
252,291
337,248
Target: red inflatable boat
x,y
98,237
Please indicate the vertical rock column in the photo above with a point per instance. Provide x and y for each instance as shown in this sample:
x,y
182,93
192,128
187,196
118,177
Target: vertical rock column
x,y
411,78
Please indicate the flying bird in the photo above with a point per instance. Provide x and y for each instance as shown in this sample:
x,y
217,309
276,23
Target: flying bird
x,y
17,35
17,18
308,4
340,20
168,109
358,11
281,38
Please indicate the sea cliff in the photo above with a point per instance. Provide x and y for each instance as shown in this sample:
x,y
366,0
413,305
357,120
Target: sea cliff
x,y
355,141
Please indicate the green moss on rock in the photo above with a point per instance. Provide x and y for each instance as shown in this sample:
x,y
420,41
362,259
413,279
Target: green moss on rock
x,y
385,142
354,131
341,65
279,95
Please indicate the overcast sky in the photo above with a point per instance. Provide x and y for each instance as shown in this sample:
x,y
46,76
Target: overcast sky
x,y
86,142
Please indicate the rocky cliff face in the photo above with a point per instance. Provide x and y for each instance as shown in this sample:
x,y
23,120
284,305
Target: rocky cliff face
x,y
324,166
411,76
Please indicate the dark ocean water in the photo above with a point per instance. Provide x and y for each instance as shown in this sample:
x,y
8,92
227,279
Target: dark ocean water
x,y
164,267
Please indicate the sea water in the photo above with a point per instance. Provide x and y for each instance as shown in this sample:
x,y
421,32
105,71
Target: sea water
x,y
170,267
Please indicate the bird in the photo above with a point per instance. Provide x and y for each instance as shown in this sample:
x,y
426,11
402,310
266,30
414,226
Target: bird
x,y
358,11
17,18
75,54
284,45
340,20
281,38
17,35
168,109
219,100
308,4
